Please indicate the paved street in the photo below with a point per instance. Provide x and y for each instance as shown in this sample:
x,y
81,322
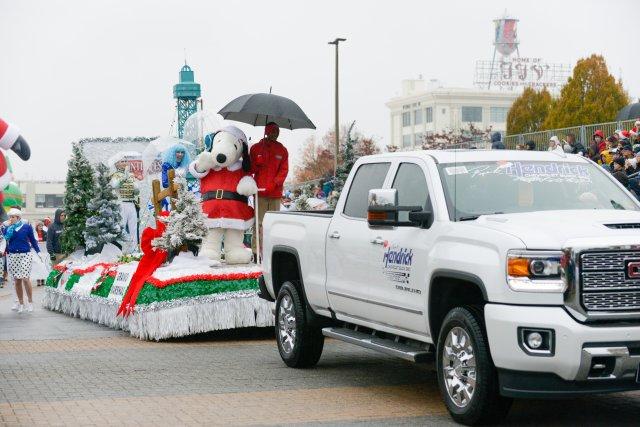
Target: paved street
x,y
64,371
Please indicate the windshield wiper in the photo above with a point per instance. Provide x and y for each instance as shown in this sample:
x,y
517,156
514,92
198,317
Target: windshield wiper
x,y
474,217
616,205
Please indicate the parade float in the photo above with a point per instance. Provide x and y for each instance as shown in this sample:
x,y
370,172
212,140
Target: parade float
x,y
170,289
195,272
183,298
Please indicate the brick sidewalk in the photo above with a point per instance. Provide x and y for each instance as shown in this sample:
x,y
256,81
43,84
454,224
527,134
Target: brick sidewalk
x,y
56,370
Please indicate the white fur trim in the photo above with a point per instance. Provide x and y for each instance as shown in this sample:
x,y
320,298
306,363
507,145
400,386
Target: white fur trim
x,y
155,322
232,167
194,171
9,138
234,223
247,186
235,166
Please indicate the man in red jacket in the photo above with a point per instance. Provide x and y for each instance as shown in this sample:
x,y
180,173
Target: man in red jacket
x,y
270,166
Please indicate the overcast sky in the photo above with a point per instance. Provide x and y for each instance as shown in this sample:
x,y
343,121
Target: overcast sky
x,y
78,68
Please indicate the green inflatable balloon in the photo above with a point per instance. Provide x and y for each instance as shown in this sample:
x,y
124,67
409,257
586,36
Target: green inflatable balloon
x,y
12,196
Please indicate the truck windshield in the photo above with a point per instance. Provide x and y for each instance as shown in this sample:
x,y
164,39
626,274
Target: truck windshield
x,y
482,188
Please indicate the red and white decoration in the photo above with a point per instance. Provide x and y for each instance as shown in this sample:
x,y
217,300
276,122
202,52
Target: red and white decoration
x,y
226,168
9,134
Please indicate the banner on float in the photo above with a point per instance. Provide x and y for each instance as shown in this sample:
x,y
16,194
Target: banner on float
x,y
64,278
122,280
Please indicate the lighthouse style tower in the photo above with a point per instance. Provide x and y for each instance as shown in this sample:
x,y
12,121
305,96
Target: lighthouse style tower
x,y
187,95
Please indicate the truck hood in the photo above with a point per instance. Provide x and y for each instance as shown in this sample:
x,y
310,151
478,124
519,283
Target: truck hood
x,y
553,229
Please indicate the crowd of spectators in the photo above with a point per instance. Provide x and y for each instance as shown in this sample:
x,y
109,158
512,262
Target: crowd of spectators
x,y
619,153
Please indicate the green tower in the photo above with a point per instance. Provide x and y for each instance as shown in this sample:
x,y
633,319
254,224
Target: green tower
x,y
187,94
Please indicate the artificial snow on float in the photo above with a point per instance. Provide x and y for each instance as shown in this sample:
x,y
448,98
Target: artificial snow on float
x,y
185,297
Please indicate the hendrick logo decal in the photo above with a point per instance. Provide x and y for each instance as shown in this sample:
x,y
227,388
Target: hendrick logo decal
x,y
396,263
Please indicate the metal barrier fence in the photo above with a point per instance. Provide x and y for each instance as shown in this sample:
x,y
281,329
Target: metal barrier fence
x,y
583,134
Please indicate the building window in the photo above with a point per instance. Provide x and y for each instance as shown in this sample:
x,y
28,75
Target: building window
x,y
40,200
417,117
471,114
428,115
417,139
406,119
444,111
406,141
499,114
49,200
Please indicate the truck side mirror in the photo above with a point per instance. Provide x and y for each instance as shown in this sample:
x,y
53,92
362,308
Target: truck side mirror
x,y
383,209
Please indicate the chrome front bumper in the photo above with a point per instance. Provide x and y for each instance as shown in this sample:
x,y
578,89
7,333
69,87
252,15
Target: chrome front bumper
x,y
608,363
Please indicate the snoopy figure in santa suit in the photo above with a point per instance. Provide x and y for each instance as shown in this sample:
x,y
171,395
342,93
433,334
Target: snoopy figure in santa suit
x,y
224,170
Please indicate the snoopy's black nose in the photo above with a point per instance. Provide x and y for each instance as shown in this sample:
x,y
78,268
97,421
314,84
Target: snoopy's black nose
x,y
221,158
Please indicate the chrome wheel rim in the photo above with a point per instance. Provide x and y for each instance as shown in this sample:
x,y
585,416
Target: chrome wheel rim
x,y
287,325
459,366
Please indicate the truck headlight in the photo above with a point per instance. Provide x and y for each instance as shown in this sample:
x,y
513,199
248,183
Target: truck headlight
x,y
534,271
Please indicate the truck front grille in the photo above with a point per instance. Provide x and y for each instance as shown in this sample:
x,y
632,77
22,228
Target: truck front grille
x,y
605,281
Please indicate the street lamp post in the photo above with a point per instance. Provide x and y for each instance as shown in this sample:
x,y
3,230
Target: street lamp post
x,y
337,147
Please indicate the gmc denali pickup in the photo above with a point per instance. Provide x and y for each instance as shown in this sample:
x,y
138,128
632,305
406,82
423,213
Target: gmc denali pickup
x,y
517,271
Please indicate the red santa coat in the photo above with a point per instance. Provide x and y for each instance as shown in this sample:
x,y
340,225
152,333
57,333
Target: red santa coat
x,y
224,213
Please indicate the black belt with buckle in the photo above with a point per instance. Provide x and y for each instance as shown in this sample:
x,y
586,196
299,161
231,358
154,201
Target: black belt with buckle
x,y
224,195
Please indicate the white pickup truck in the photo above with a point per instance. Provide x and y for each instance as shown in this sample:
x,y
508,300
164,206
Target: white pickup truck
x,y
518,271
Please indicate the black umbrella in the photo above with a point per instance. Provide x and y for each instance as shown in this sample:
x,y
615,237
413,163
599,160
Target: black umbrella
x,y
258,109
629,112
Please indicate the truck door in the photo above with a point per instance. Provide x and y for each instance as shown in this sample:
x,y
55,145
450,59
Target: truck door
x,y
399,257
348,248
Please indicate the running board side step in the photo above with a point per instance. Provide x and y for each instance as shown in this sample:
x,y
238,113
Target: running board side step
x,y
382,345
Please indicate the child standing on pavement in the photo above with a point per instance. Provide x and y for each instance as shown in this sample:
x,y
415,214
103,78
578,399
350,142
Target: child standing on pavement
x,y
20,240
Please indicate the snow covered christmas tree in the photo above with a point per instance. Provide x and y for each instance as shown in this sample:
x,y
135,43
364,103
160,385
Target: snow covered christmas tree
x,y
347,161
185,223
78,191
104,225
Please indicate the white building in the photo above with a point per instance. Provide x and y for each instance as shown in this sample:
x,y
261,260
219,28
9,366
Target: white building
x,y
424,108
41,198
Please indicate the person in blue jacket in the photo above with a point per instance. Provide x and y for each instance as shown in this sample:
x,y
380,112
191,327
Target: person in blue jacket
x,y
20,240
175,157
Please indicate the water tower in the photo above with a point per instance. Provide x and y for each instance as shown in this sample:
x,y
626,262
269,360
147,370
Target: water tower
x,y
506,38
505,41
187,95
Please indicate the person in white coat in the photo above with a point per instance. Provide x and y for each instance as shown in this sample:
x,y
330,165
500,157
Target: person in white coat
x,y
555,144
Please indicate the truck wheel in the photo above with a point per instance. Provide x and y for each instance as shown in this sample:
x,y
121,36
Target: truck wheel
x,y
467,378
300,345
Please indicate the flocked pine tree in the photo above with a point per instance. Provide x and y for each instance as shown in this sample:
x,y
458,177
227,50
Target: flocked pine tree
x,y
185,223
79,189
348,158
104,224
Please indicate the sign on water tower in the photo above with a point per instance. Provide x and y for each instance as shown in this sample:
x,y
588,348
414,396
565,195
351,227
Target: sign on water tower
x,y
506,40
507,71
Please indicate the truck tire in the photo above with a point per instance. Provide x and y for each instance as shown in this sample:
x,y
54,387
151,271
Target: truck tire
x,y
300,345
467,378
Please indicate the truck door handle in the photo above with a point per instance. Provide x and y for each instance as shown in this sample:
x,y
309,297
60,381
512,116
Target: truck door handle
x,y
377,241
334,235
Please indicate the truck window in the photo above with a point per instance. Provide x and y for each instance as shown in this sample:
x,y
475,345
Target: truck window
x,y
412,188
368,177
